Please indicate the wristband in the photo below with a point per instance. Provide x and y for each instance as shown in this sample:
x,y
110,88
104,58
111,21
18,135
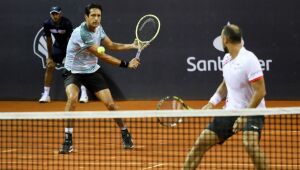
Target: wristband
x,y
216,98
124,64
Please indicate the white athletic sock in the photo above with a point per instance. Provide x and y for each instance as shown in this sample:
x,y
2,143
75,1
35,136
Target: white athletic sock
x,y
83,90
46,90
69,130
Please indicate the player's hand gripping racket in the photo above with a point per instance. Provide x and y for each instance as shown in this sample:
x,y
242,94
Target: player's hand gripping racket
x,y
146,31
171,103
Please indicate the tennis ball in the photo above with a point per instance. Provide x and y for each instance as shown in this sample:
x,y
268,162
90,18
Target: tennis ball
x,y
101,50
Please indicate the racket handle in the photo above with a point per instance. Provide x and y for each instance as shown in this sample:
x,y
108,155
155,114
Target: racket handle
x,y
140,49
138,54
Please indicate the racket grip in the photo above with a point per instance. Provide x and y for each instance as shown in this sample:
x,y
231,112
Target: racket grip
x,y
137,56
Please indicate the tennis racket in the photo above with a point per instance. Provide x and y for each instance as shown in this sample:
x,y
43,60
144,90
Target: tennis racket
x,y
171,103
146,31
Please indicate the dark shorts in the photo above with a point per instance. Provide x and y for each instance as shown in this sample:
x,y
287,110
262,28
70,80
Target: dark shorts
x,y
94,82
222,126
58,54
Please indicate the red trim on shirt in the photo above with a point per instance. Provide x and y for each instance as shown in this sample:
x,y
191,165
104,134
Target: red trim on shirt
x,y
258,78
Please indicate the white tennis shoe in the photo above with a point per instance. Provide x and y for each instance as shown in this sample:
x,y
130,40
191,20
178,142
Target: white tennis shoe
x,y
45,98
84,99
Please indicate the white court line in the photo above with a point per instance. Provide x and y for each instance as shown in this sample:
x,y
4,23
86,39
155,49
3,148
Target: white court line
x,y
9,150
154,166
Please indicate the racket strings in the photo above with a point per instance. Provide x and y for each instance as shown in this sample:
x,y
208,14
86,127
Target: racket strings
x,y
147,29
170,104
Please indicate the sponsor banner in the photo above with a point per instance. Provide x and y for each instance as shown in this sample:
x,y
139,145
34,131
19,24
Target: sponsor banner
x,y
184,60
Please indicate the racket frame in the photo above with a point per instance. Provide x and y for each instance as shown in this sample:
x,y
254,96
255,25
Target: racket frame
x,y
145,43
179,120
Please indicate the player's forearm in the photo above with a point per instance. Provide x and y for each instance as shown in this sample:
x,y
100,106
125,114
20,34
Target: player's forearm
x,y
222,90
103,56
219,95
120,47
259,92
109,59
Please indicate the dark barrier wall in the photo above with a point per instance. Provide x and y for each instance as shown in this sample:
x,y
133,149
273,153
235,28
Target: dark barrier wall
x,y
181,61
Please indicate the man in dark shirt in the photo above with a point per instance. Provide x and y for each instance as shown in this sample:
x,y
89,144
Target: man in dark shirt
x,y
60,29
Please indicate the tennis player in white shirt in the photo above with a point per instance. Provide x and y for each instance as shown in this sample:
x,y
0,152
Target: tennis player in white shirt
x,y
243,86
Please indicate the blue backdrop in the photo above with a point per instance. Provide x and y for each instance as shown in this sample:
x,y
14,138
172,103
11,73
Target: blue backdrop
x,y
181,61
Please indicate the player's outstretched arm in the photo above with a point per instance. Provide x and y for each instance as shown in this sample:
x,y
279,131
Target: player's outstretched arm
x,y
109,44
99,51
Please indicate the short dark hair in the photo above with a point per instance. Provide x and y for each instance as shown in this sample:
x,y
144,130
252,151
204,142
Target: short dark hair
x,y
233,32
90,6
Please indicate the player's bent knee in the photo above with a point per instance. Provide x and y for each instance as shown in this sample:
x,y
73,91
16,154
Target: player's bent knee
x,y
50,67
250,143
209,137
250,140
73,98
206,139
